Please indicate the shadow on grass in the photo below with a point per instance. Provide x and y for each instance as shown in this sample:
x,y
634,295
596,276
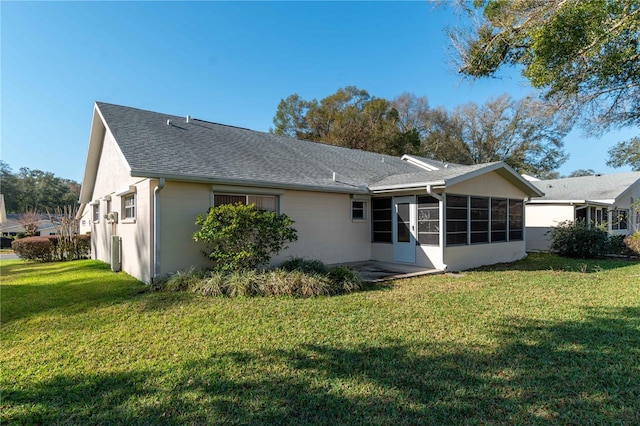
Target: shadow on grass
x,y
69,286
548,261
572,372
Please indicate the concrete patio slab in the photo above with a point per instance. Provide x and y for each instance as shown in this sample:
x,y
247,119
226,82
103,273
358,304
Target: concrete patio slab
x,y
374,271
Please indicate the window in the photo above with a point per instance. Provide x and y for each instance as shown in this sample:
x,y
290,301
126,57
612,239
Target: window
x,y
498,219
457,219
129,206
515,220
381,219
428,221
620,219
479,220
261,202
358,209
96,212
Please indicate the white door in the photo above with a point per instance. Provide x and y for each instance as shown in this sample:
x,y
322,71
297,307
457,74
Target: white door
x,y
404,229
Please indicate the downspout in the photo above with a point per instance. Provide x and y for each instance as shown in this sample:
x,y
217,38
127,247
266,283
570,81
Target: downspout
x,y
440,198
156,228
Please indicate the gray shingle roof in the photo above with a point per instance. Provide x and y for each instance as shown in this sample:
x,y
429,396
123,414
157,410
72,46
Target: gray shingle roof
x,y
423,176
591,188
203,151
209,151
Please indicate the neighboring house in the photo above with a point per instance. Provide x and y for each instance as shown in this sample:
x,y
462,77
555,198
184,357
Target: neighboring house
x,y
606,200
149,175
11,227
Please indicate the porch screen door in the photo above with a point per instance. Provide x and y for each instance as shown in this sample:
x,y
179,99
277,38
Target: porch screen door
x,y
404,229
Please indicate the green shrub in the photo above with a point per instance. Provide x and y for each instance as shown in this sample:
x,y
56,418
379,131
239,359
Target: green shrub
x,y
633,242
183,280
277,282
37,249
618,246
576,239
47,248
304,265
239,237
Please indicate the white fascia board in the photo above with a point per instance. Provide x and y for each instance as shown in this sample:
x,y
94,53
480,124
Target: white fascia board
x,y
603,203
418,163
405,187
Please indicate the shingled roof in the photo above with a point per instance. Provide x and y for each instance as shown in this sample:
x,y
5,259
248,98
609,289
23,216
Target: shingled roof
x,y
601,188
162,145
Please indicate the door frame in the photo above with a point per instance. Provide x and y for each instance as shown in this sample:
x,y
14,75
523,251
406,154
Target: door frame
x,y
404,252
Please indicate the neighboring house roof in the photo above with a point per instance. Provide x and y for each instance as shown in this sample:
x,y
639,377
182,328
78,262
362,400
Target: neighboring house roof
x,y
158,145
12,224
598,188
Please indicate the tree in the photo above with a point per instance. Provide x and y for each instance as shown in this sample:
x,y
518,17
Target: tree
x,y
9,188
240,237
582,172
625,153
36,189
583,54
526,134
30,221
349,118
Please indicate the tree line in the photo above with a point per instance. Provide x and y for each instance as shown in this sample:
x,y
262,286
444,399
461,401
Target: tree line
x,y
36,190
526,134
582,56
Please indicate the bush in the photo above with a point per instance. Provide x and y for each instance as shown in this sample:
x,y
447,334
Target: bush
x,y
37,249
239,237
6,242
47,248
618,246
633,242
277,282
576,239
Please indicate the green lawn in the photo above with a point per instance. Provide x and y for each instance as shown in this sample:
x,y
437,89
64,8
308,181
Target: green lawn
x,y
544,340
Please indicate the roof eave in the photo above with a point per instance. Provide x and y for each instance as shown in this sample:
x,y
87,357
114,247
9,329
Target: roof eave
x,y
404,187
254,183
591,202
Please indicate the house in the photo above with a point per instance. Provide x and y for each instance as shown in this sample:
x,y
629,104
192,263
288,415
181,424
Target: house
x,y
608,200
12,226
148,175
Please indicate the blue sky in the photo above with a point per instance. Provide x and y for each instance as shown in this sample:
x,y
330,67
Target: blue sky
x,y
225,62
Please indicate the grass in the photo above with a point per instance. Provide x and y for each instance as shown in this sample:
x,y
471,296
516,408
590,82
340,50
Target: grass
x,y
544,340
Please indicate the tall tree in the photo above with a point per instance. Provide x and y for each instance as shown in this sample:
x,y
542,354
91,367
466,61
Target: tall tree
x,y
349,117
582,172
583,54
36,190
626,153
526,134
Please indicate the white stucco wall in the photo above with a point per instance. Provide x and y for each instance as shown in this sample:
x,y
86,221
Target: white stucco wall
x,y
112,178
540,218
323,221
180,205
630,200
325,229
487,185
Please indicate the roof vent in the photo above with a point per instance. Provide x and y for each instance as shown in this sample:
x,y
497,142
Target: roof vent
x,y
169,122
188,118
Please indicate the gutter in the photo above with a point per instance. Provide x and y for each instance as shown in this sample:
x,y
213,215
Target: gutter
x,y
156,227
